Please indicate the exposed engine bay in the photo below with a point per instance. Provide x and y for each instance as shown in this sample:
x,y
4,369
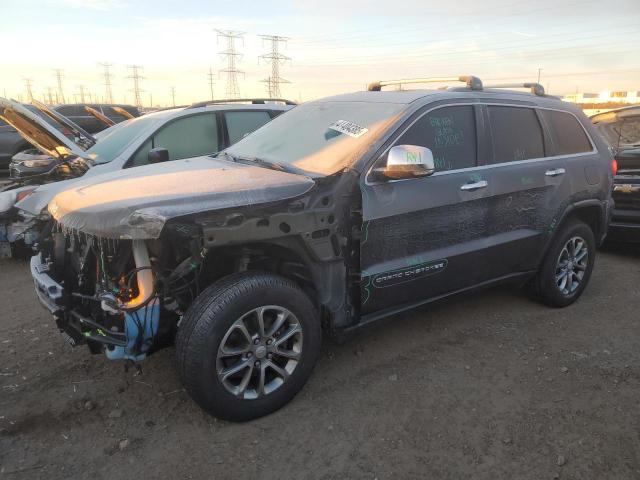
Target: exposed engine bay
x,y
123,297
126,297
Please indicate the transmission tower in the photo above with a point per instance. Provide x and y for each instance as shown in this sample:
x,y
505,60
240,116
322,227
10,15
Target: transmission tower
x,y
59,74
108,94
49,96
233,91
276,59
82,91
211,82
135,75
27,85
172,92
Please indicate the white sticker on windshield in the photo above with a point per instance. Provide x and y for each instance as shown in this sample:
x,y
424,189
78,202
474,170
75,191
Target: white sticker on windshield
x,y
348,128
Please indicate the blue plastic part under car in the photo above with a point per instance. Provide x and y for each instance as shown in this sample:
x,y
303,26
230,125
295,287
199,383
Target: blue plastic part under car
x,y
145,319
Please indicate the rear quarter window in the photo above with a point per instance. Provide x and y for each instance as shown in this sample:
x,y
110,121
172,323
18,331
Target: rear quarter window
x,y
517,134
566,132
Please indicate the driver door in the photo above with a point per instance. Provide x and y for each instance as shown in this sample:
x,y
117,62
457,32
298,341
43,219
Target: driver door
x,y
424,237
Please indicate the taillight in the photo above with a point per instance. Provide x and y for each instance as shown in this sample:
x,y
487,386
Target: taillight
x,y
614,167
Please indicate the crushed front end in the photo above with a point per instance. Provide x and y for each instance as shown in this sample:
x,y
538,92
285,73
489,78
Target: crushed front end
x,y
120,297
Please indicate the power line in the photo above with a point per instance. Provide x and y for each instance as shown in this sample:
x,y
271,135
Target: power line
x,y
59,76
108,97
28,85
135,75
276,59
369,35
232,90
448,54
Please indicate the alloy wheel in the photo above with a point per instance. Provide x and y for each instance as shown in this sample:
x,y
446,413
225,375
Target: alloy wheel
x,y
259,352
571,265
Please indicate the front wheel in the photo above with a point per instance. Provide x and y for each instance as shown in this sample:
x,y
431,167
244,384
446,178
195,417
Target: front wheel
x,y
247,345
567,266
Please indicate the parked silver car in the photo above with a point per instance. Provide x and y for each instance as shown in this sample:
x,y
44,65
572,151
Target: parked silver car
x,y
172,134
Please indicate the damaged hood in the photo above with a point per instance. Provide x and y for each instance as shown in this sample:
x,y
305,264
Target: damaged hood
x,y
136,203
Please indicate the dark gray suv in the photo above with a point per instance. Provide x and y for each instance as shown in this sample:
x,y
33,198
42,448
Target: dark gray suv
x,y
336,214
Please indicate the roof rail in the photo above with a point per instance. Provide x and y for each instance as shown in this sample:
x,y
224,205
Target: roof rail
x,y
536,88
474,83
253,101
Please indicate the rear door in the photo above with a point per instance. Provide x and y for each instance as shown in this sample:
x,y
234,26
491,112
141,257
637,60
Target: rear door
x,y
426,237
530,186
241,123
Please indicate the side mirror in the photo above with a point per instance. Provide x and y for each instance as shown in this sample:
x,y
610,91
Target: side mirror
x,y
158,155
407,161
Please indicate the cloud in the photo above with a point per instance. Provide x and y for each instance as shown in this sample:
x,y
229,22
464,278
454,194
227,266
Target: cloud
x,y
522,34
101,5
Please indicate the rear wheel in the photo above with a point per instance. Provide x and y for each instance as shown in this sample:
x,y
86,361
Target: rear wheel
x,y
247,345
567,266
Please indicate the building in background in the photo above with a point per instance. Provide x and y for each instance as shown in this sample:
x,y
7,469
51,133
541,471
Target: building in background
x,y
593,103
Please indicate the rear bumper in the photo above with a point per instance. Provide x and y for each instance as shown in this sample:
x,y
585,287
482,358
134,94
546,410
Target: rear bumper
x,y
624,226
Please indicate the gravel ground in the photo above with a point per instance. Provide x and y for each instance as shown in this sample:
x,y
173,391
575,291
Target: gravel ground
x,y
489,386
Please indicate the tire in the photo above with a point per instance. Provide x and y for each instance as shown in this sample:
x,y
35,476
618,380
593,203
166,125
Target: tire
x,y
555,293
211,330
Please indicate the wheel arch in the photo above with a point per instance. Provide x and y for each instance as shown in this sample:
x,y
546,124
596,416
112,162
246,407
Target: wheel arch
x,y
591,212
323,281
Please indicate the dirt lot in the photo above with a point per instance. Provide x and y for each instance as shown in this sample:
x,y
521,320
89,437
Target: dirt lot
x,y
485,386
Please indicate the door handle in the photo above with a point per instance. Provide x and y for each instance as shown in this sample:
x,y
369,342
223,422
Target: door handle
x,y
554,172
474,186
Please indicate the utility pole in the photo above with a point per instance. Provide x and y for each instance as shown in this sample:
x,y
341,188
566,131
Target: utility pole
x,y
150,99
59,75
27,84
82,91
539,70
276,59
107,82
232,90
135,75
172,92
210,75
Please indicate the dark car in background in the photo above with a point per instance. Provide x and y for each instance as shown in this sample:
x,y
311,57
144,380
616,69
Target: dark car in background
x,y
80,115
11,142
621,129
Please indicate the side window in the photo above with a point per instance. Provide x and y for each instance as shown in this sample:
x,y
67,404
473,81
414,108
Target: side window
x,y
568,135
240,124
141,156
517,134
450,133
189,136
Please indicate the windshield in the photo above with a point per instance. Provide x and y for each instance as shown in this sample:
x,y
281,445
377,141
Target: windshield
x,y
319,138
118,138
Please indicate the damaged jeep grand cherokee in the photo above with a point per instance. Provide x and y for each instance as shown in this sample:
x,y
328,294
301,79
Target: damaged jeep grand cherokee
x,y
338,213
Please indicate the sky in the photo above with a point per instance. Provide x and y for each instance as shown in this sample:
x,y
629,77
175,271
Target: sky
x,y
334,46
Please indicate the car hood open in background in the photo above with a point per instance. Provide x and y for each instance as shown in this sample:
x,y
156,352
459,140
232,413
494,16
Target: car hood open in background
x,y
136,203
621,129
42,135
